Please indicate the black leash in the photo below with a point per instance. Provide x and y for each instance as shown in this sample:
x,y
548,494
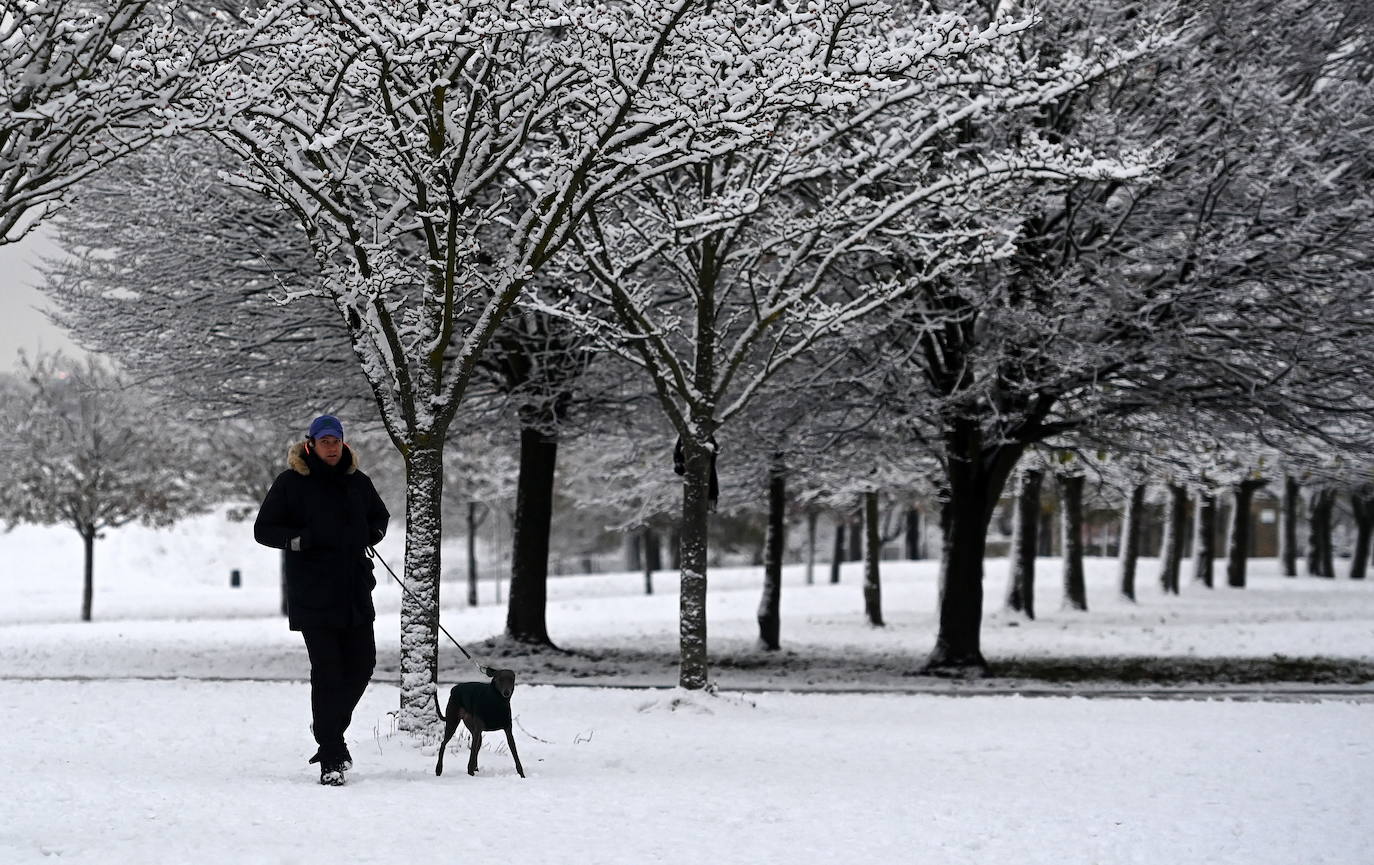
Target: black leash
x,y
372,552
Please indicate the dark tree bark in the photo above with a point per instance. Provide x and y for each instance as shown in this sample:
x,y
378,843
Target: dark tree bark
x,y
1204,538
811,517
653,557
1131,531
912,535
1071,503
1047,532
1175,532
472,554
770,614
88,574
855,546
1319,557
1238,552
837,554
873,594
1363,506
1288,527
975,477
696,508
526,621
1024,543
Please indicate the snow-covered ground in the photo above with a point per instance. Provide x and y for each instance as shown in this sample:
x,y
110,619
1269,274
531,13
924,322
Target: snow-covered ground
x,y
203,759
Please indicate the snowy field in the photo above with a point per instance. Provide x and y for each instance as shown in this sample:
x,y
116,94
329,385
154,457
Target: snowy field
x,y
174,727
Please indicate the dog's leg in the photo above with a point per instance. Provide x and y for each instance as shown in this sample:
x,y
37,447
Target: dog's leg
x,y
510,740
475,728
450,727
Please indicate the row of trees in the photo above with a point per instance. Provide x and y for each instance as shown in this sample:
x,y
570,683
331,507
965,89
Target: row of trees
x,y
892,249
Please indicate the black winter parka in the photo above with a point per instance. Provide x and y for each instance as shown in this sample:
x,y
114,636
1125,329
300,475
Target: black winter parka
x,y
337,514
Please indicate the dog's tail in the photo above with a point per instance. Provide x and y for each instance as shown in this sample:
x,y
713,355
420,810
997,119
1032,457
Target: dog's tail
x,y
437,710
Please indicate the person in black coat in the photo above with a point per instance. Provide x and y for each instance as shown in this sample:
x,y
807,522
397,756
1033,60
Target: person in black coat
x,y
325,513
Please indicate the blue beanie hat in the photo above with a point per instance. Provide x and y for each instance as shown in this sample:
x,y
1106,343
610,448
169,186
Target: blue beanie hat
x,y
325,425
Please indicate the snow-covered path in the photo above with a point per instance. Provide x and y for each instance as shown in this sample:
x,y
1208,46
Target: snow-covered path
x,y
174,772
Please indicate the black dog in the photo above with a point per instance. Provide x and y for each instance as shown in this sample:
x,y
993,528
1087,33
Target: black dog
x,y
479,706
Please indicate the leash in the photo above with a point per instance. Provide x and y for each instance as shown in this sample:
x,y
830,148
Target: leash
x,y
372,553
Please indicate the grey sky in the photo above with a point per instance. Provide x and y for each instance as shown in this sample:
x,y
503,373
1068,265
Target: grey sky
x,y
22,324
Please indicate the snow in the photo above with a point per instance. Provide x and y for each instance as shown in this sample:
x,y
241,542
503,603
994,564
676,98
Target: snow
x,y
174,727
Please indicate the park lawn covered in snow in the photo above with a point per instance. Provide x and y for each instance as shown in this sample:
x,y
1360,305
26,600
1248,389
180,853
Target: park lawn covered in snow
x,y
214,772
203,759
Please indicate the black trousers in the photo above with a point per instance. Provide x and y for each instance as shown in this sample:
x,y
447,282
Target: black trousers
x,y
341,663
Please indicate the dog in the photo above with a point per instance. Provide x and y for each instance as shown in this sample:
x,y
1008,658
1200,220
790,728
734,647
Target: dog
x,y
481,707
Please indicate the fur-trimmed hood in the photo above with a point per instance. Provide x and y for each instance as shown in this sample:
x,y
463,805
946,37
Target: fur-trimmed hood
x,y
295,459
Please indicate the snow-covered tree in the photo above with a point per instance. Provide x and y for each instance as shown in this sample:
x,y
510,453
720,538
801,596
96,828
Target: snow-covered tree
x,y
83,84
81,448
165,240
399,134
722,274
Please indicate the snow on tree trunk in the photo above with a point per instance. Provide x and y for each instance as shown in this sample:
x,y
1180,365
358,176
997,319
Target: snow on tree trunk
x,y
1129,555
693,671
1204,538
420,604
873,591
526,620
1238,551
770,605
1071,498
1288,527
1024,543
1363,507
1175,533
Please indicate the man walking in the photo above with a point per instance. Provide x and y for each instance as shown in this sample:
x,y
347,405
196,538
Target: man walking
x,y
325,513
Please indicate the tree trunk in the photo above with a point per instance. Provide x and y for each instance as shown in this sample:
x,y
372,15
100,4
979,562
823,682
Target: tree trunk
x,y
873,592
975,477
1204,533
1025,542
693,670
1363,507
770,613
634,558
1046,533
1238,552
1319,559
420,605
1129,555
527,604
653,556
837,554
88,573
811,517
1071,523
913,534
856,536
1175,531
674,547
472,554
1288,527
